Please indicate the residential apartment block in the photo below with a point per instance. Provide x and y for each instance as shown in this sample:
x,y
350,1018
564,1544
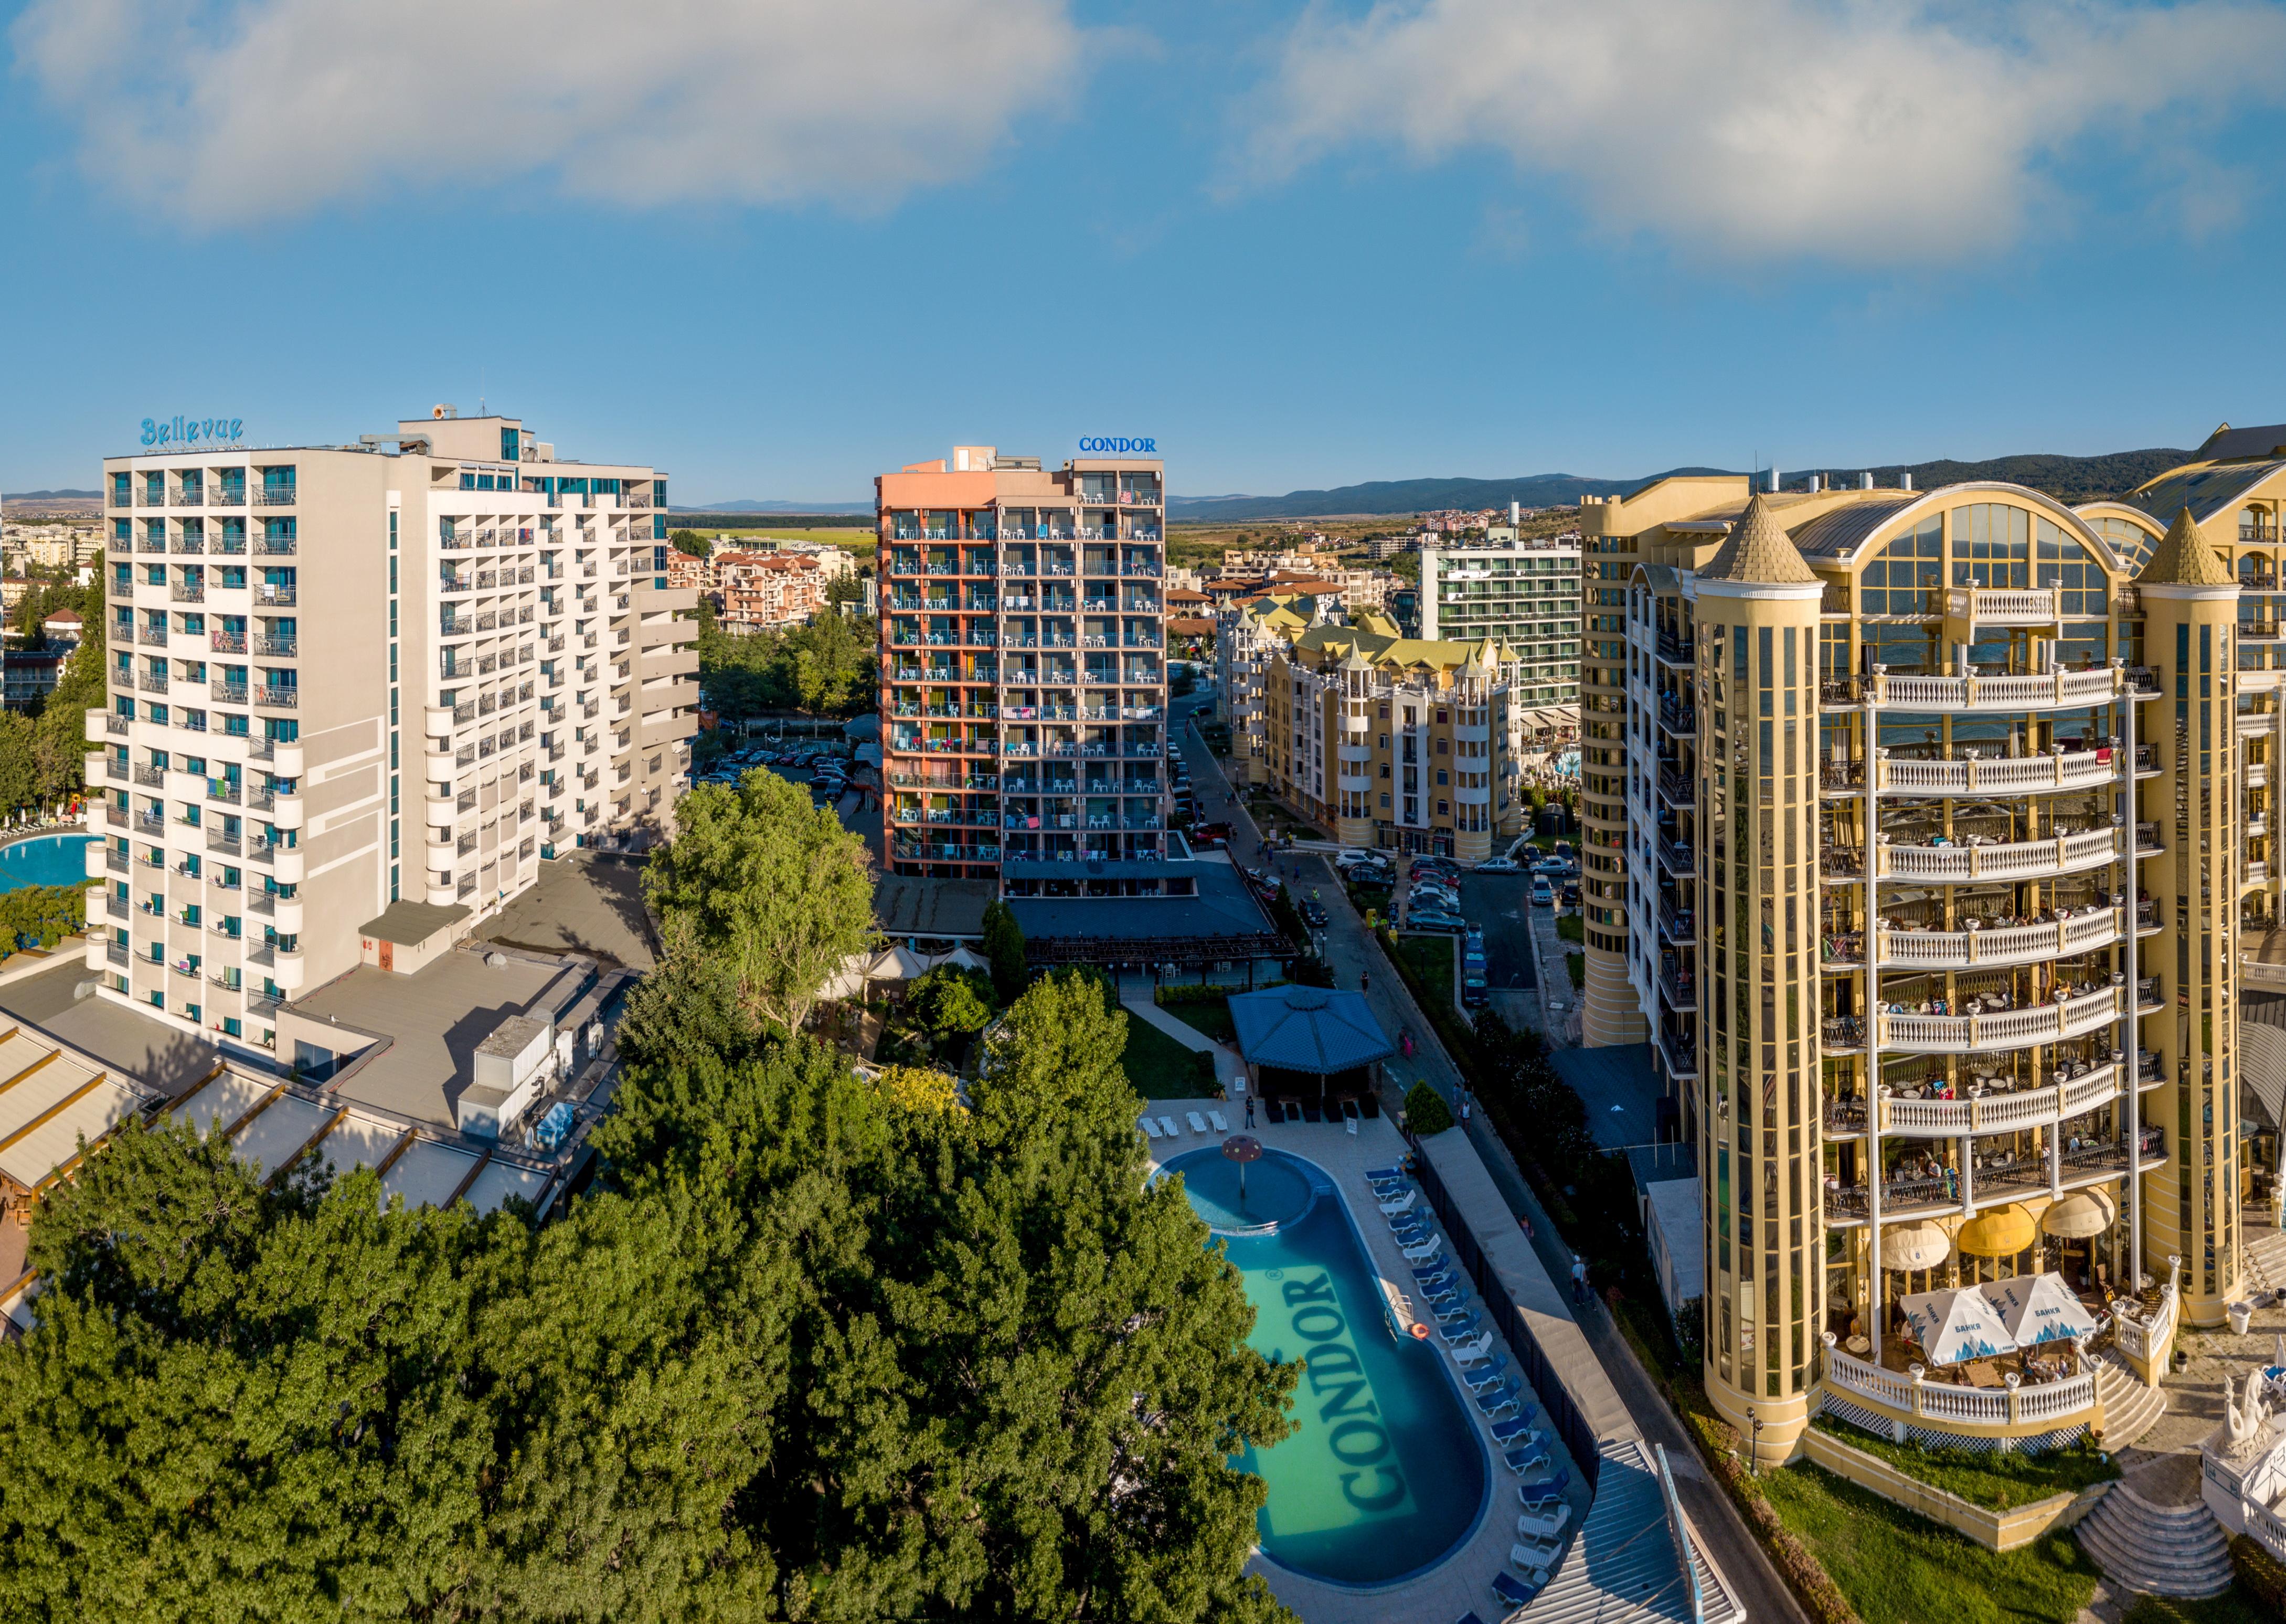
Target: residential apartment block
x,y
347,676
1387,741
1023,678
757,590
1928,835
1524,594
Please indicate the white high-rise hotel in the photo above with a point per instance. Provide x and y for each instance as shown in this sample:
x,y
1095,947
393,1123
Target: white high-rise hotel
x,y
349,678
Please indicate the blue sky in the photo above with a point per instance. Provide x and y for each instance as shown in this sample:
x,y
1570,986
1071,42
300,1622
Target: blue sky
x,y
777,246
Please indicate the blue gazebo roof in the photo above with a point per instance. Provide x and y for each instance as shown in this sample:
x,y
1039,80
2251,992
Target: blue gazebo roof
x,y
1307,1028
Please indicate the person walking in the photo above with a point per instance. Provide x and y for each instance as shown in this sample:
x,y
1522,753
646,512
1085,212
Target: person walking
x,y
1579,1280
1250,1110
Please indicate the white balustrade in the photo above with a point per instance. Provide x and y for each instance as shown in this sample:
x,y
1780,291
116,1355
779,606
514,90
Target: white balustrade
x,y
2001,775
1996,1112
2044,690
1950,949
2073,1398
2003,605
2012,1029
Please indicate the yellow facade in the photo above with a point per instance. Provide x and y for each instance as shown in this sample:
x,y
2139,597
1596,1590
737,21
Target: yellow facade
x,y
1934,921
1383,740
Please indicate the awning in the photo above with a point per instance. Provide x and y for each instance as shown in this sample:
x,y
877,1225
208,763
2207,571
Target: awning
x,y
2001,1232
1919,1245
2079,1215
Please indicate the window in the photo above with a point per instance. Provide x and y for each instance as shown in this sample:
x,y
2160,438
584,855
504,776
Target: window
x,y
1902,579
1991,545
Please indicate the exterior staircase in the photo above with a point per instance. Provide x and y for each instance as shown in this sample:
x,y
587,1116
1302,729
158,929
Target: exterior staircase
x,y
2157,1550
2265,1260
2129,1408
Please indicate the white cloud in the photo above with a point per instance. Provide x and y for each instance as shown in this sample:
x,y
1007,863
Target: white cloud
x,y
1868,133
248,109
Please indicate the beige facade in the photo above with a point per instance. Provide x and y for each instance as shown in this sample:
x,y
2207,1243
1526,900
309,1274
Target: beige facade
x,y
1941,818
1023,671
760,590
343,677
1387,741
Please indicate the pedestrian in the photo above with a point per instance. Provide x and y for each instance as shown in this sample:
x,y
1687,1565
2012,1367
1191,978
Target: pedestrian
x,y
1464,1110
1250,1110
1579,1280
1524,1224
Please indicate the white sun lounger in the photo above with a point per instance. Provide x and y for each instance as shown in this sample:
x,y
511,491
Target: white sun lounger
x,y
1404,1203
1198,1122
1471,1352
1220,1126
1167,1126
1544,1526
1150,1127
1532,1564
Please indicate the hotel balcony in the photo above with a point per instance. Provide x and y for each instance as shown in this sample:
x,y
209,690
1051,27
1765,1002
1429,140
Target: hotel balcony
x,y
2045,690
1974,774
1985,1110
2012,1028
1897,948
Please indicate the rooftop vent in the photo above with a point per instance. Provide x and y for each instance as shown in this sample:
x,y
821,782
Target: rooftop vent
x,y
444,410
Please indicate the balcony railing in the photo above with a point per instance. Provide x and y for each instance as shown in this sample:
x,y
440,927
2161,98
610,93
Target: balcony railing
x,y
1977,775
2043,691
2013,944
2014,1028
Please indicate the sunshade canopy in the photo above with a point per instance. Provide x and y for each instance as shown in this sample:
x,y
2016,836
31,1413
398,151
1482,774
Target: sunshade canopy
x,y
1952,1326
2038,1308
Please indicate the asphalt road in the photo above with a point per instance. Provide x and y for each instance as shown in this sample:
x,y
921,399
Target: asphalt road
x,y
1501,903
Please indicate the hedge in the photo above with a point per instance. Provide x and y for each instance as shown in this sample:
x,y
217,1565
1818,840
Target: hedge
x,y
2260,1573
1425,1111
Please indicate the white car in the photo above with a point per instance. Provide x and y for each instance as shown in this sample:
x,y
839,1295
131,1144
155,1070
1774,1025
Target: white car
x,y
1544,895
1500,865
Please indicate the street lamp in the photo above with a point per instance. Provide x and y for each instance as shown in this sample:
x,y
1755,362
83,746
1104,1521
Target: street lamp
x,y
1754,1449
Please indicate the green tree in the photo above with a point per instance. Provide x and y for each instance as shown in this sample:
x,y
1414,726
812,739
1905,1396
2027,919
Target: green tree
x,y
690,542
772,883
952,1001
1425,1111
1003,947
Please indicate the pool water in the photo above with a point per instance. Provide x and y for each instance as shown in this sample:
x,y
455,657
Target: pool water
x,y
50,859
1384,1475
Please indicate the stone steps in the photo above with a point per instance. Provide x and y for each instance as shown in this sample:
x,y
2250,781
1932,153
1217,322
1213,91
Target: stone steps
x,y
2265,1261
2157,1550
2129,1408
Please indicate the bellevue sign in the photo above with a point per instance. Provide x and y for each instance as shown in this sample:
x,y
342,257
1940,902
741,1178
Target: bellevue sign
x,y
189,430
1119,448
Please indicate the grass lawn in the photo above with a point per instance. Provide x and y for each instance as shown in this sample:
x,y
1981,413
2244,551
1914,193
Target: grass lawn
x,y
1898,1568
1160,1067
1212,1018
1576,963
1571,927
1431,960
2000,1481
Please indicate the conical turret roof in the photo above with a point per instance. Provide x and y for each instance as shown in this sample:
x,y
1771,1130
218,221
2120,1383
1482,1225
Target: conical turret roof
x,y
2182,558
1758,549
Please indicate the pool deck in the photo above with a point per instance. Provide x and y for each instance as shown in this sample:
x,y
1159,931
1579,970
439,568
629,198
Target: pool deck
x,y
1462,1582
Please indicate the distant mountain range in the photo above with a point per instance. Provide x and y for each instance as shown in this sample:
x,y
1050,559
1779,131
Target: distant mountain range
x,y
33,496
748,504
2068,479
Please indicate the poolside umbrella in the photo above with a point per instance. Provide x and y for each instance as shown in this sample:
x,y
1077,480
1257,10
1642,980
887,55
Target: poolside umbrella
x,y
1951,1326
1915,1246
1242,1148
2038,1308
2001,1232
2079,1215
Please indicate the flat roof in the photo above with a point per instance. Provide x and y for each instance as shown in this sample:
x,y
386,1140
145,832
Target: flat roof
x,y
905,906
157,1053
434,1021
1223,907
50,1098
403,924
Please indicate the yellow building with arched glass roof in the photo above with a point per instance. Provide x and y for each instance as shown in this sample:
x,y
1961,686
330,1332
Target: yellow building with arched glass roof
x,y
1932,828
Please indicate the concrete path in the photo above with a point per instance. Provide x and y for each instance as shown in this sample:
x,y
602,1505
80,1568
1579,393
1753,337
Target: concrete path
x,y
1351,953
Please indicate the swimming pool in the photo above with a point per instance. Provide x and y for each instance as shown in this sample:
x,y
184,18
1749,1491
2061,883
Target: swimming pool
x,y
1384,1474
48,860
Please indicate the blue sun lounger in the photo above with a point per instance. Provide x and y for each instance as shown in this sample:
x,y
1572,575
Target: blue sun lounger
x,y
1515,1592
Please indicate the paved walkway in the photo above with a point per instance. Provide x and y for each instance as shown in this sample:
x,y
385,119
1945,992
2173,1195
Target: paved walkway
x,y
1351,953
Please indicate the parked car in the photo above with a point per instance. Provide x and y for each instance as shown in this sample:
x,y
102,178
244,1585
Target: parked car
x,y
1498,865
1211,834
1427,918
1570,895
1351,855
1312,913
1544,895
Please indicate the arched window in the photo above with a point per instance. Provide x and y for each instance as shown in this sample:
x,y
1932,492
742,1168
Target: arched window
x,y
2128,539
1904,578
2062,562
1991,545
